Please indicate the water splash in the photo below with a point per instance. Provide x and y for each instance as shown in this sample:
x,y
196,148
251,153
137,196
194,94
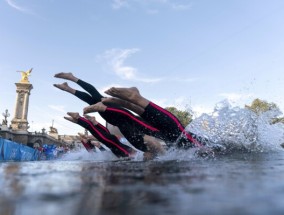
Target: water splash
x,y
240,128
96,155
234,129
84,155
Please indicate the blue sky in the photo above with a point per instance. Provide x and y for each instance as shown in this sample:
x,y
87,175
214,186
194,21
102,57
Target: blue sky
x,y
186,53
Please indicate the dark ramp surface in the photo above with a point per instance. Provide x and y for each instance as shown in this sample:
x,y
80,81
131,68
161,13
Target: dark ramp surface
x,y
240,183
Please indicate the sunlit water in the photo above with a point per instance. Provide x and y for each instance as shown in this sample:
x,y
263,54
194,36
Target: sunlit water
x,y
246,178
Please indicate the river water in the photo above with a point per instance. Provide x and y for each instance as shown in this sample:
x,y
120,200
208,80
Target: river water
x,y
246,178
238,183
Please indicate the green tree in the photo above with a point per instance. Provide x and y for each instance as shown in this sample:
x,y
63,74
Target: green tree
x,y
260,106
184,116
277,120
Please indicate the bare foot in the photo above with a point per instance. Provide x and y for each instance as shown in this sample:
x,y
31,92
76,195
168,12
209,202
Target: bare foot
x,y
82,135
74,115
96,143
91,118
84,140
69,118
128,94
98,107
67,76
64,86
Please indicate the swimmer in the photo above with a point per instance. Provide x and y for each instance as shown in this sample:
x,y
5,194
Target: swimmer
x,y
99,132
132,127
111,141
163,120
90,143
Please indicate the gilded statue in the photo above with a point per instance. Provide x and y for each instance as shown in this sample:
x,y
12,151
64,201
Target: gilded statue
x,y
25,75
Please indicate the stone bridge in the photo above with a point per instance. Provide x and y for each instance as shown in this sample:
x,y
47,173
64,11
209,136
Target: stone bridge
x,y
30,138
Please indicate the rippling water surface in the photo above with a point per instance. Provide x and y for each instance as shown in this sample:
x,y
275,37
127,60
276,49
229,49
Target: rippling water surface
x,y
239,183
246,178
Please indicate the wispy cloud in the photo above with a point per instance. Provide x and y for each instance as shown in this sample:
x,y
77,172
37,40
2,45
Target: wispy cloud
x,y
117,4
14,5
181,6
116,58
172,4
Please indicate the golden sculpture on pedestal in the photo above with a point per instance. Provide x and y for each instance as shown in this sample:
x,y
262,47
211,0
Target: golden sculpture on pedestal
x,y
25,75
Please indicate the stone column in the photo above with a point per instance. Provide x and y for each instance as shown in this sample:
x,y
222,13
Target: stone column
x,y
20,120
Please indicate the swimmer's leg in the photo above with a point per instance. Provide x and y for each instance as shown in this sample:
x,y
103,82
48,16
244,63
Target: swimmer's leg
x,y
98,107
91,118
81,95
73,117
123,103
96,96
111,141
89,137
87,144
129,94
65,87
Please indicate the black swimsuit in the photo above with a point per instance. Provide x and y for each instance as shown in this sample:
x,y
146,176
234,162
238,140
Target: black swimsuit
x,y
155,121
132,127
103,135
170,127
